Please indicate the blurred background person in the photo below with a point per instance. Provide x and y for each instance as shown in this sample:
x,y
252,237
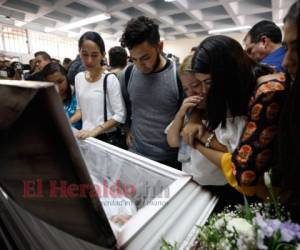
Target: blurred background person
x,y
66,63
32,69
42,58
117,59
75,67
263,44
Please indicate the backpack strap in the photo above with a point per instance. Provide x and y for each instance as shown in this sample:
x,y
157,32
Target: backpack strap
x,y
104,91
179,85
128,74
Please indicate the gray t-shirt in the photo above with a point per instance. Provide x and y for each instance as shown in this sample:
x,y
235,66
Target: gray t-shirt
x,y
154,101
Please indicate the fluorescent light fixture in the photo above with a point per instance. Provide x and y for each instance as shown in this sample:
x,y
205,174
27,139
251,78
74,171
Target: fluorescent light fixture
x,y
170,0
80,23
47,29
170,38
229,29
6,17
73,34
19,23
84,22
191,35
105,35
77,34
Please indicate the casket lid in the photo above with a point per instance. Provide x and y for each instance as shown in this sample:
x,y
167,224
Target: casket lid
x,y
41,165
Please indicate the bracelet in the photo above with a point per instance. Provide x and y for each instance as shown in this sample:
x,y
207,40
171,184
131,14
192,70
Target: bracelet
x,y
209,139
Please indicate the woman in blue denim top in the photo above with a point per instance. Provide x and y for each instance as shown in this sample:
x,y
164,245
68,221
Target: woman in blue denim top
x,y
55,73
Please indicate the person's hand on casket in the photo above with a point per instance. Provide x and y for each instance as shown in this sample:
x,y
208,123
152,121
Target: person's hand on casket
x,y
83,134
120,219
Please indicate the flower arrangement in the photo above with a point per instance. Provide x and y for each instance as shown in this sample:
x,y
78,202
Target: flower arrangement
x,y
258,229
249,227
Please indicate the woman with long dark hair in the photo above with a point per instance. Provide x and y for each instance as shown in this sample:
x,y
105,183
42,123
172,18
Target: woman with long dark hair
x,y
54,72
234,86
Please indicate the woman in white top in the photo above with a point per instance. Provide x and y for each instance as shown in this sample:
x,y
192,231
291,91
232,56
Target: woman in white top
x,y
193,162
90,92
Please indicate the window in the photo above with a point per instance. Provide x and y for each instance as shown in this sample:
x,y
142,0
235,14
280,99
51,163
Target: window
x,y
43,42
67,47
15,39
55,46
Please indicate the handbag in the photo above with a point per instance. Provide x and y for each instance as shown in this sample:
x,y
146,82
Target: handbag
x,y
118,137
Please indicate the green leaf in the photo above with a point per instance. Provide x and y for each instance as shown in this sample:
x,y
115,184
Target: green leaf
x,y
248,215
167,246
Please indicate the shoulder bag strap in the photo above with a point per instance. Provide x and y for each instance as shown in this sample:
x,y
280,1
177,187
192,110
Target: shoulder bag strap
x,y
104,96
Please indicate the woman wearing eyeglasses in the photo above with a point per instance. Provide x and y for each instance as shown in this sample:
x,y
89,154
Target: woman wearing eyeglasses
x,y
239,86
193,162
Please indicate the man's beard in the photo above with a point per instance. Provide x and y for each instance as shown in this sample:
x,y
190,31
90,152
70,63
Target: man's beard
x,y
156,65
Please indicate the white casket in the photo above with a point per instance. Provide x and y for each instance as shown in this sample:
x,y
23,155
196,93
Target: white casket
x,y
45,177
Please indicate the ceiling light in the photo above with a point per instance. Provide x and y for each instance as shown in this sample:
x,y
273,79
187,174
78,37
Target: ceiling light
x,y
84,22
73,34
47,29
6,17
80,23
191,35
229,29
19,23
170,38
170,0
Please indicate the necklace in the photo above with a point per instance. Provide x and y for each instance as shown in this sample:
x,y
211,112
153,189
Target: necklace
x,y
93,76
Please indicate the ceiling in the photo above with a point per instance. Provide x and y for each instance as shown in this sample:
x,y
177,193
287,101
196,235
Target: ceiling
x,y
177,19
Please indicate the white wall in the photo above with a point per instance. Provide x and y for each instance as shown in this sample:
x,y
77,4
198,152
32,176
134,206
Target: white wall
x,y
182,47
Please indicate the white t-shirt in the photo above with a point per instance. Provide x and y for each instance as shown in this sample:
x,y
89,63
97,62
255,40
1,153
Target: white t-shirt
x,y
91,103
204,171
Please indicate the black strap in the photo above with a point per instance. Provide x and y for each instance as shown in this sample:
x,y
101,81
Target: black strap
x,y
105,90
180,88
127,75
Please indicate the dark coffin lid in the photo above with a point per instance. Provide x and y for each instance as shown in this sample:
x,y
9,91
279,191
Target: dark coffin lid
x,y
39,156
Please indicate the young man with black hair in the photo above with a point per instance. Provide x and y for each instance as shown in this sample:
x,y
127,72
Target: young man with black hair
x,y
263,44
66,63
151,92
117,59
